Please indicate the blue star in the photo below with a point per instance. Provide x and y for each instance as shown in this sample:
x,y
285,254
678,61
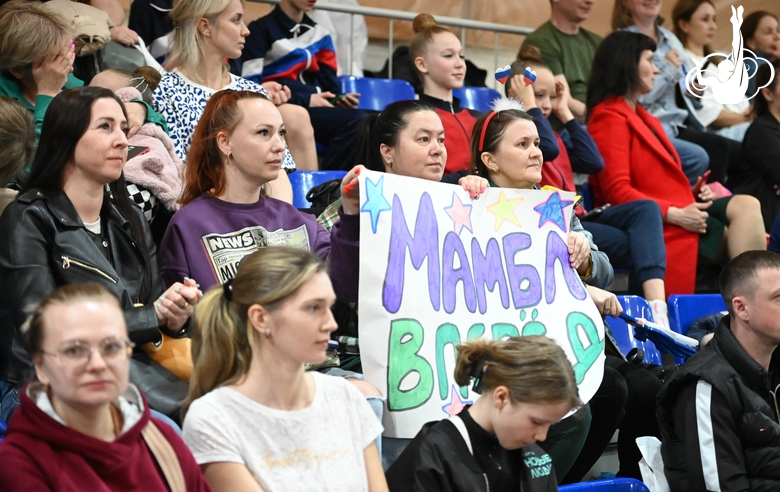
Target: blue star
x,y
456,404
375,201
552,211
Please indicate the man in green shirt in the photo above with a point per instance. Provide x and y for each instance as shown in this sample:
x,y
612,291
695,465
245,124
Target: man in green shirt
x,y
567,48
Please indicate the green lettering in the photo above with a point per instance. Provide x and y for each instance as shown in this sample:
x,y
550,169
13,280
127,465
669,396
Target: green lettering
x,y
586,356
406,340
446,334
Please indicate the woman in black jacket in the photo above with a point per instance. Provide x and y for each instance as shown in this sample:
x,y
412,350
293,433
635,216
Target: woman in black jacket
x,y
527,384
73,223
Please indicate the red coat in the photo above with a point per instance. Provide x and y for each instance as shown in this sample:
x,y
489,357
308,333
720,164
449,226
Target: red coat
x,y
642,165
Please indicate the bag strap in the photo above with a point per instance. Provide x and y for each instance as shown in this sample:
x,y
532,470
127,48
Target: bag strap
x,y
166,457
461,426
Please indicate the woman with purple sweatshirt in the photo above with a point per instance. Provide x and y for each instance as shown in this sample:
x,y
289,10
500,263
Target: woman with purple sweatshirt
x,y
236,152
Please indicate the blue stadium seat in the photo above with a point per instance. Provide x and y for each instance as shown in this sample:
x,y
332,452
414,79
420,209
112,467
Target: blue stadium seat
x,y
610,485
587,196
375,94
636,307
303,181
3,427
685,309
476,98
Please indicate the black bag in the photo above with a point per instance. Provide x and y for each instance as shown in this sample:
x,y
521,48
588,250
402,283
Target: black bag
x,y
164,392
324,194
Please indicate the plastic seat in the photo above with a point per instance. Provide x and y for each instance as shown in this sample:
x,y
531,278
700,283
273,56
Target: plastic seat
x,y
587,196
685,309
375,94
609,485
636,307
476,98
303,181
3,428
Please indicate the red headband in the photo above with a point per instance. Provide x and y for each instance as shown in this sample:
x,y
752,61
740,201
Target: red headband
x,y
484,129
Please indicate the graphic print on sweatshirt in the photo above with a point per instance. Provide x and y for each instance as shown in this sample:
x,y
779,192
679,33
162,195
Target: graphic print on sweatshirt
x,y
225,251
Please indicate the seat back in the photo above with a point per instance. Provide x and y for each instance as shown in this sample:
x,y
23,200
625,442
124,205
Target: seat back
x,y
476,98
684,309
375,94
3,428
636,307
303,181
609,485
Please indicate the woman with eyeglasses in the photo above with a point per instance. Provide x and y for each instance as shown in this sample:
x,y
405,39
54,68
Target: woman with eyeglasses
x,y
74,223
81,426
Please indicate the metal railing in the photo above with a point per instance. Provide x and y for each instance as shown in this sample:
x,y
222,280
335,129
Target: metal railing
x,y
394,15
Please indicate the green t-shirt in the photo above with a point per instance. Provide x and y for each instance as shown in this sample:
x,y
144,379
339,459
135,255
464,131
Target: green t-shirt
x,y
567,54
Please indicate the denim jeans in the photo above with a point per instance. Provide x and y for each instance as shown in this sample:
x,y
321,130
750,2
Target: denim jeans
x,y
9,399
695,160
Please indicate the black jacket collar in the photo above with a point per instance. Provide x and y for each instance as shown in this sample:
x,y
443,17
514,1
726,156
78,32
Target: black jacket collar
x,y
752,373
453,106
287,22
63,210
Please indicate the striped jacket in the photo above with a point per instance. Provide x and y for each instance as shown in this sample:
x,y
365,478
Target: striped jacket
x,y
300,56
718,417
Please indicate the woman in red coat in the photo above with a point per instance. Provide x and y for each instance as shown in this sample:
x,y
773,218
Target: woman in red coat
x,y
641,163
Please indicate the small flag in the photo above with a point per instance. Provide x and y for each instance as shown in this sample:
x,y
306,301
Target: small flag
x,y
503,73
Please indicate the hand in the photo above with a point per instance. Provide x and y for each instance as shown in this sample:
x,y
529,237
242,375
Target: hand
x,y
350,191
706,194
278,93
136,117
51,73
579,251
350,100
321,100
606,302
561,102
514,86
674,56
177,304
123,35
692,218
474,185
777,190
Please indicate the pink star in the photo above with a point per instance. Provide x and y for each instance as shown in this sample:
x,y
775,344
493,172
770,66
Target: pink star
x,y
455,405
460,214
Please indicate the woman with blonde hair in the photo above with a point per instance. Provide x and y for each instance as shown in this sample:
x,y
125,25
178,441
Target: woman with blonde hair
x,y
206,34
17,145
525,384
81,424
255,420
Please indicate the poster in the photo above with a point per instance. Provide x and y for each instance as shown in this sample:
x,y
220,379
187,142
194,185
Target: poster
x,y
438,268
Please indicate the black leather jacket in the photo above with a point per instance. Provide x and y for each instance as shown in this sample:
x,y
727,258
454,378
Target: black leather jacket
x,y
44,245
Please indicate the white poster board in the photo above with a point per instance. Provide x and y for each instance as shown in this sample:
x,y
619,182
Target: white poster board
x,y
438,268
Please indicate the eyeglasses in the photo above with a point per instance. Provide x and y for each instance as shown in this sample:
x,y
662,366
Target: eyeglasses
x,y
79,353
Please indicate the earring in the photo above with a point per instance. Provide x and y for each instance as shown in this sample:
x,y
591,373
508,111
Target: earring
x,y
267,335
230,156
494,169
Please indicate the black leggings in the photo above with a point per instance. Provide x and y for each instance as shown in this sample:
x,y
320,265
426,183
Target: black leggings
x,y
725,154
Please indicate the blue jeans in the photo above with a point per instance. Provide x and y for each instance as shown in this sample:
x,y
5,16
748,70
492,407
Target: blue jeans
x,y
9,399
695,160
632,235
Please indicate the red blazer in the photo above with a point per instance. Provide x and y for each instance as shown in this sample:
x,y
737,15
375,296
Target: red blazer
x,y
641,163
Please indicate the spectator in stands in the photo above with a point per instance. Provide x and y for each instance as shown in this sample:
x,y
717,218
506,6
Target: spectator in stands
x,y
145,79
81,426
526,384
441,65
718,412
694,25
207,33
568,49
761,147
17,145
761,33
289,48
406,138
150,19
630,234
256,420
641,163
73,223
226,213
37,56
724,154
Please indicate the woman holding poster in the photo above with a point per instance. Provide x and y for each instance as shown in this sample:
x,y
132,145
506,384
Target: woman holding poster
x,y
526,384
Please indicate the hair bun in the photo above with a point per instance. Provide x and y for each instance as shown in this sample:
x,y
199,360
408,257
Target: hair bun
x,y
150,75
530,53
423,22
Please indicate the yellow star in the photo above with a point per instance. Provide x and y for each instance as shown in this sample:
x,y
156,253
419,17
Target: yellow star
x,y
503,209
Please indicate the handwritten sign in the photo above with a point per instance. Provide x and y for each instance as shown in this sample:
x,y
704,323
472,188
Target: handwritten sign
x,y
438,268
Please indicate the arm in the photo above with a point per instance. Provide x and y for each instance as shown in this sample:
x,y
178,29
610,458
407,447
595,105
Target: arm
x,y
281,188
601,272
548,144
668,74
228,477
20,473
113,8
374,471
583,152
140,13
728,118
762,147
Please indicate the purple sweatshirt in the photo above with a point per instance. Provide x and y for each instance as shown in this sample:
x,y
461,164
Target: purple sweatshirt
x,y
208,237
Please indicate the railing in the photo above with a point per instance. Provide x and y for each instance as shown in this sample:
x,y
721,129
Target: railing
x,y
393,15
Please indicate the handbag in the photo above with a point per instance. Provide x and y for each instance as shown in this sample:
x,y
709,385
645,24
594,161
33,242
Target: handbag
x,y
164,391
166,457
174,354
90,25
324,194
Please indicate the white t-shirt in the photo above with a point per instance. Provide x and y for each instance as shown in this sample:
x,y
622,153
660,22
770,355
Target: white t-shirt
x,y
317,448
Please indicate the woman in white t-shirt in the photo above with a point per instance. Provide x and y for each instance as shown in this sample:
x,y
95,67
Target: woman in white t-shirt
x,y
255,420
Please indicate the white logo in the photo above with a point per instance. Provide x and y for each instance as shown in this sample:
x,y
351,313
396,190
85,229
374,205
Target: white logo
x,y
729,80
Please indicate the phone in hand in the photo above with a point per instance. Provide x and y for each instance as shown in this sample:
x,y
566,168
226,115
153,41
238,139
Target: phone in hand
x,y
338,98
136,150
699,183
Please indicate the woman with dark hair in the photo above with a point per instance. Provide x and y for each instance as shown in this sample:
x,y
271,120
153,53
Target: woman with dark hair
x,y
641,163
761,34
761,147
698,150
73,223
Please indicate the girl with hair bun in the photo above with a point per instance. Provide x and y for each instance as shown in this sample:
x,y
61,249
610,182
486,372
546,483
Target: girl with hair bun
x,y
525,384
256,421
